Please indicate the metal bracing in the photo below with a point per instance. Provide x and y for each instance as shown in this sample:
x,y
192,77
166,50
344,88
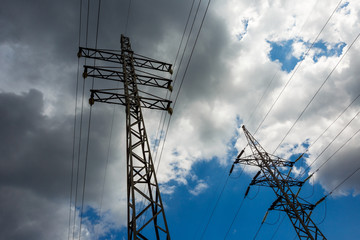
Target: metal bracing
x,y
116,57
146,216
297,209
113,75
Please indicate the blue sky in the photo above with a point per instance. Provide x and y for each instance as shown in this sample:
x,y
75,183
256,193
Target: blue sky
x,y
283,52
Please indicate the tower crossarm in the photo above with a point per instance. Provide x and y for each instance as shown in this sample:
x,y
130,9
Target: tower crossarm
x,y
115,57
270,175
256,160
281,205
111,97
263,181
106,73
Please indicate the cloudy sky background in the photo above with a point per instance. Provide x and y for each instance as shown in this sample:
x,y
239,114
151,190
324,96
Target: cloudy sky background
x,y
247,51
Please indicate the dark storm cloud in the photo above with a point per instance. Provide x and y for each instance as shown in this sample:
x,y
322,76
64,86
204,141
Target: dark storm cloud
x,y
43,25
35,154
35,166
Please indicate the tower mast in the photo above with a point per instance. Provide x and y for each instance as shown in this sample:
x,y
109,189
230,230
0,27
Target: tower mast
x,y
145,214
298,210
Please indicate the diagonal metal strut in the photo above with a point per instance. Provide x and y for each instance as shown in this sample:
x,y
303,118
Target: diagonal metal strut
x,y
298,210
146,215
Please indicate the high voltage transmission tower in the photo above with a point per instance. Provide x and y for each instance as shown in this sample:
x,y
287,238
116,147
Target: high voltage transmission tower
x,y
146,216
297,209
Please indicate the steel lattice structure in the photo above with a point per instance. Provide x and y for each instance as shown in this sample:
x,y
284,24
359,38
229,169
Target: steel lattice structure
x,y
146,216
298,210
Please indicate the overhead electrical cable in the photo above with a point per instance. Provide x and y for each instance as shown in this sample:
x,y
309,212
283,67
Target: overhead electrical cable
x,y
111,126
185,47
127,18
177,72
163,114
288,83
333,122
234,218
89,125
74,132
277,229
81,121
257,232
332,155
106,169
310,177
183,77
262,96
318,90
296,69
213,210
264,221
343,181
329,144
272,79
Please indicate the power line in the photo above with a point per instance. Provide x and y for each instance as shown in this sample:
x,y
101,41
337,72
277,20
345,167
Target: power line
x,y
75,121
183,77
90,113
257,232
312,174
177,72
163,115
307,149
81,122
127,18
277,229
343,181
85,171
318,90
264,221
234,218
106,168
296,69
329,144
323,151
262,96
272,79
213,210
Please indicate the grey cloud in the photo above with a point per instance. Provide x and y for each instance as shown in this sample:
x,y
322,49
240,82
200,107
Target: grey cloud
x,y
36,164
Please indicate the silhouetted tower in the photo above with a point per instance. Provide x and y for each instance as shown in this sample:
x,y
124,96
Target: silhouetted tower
x,y
146,216
297,209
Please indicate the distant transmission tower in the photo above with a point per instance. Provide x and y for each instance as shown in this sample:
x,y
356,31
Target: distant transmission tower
x,y
146,216
297,209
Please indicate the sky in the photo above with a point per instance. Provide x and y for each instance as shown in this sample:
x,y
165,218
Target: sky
x,y
287,70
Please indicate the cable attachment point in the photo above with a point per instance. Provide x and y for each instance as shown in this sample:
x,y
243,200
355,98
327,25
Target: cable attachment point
x,y
85,74
170,110
170,88
91,99
79,53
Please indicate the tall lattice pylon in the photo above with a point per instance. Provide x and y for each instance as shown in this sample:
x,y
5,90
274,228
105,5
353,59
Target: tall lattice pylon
x,y
297,209
146,216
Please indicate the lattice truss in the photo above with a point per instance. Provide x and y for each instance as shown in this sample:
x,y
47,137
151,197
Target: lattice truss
x,y
146,216
298,210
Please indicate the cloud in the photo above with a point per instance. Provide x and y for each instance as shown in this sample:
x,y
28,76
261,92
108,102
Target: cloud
x,y
36,168
200,187
223,85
